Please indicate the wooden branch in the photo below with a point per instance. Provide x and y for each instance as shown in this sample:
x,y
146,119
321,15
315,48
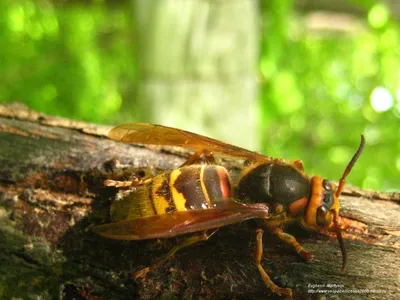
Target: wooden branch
x,y
51,192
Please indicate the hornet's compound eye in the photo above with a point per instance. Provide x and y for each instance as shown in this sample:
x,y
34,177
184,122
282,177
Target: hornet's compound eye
x,y
327,185
324,217
328,194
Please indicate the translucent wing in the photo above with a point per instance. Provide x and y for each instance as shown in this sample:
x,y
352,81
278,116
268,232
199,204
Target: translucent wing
x,y
181,222
144,133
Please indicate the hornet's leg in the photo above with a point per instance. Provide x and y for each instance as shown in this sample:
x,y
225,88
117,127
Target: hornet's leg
x,y
268,282
291,240
127,184
208,157
184,243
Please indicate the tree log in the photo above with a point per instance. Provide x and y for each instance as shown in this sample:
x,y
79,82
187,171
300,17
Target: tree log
x,y
52,192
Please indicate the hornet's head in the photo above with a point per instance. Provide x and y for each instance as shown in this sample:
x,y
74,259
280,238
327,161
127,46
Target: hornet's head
x,y
323,207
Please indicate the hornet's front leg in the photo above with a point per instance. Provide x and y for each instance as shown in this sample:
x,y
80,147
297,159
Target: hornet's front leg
x,y
291,240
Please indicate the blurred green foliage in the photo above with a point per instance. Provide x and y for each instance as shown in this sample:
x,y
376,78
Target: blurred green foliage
x,y
72,60
320,90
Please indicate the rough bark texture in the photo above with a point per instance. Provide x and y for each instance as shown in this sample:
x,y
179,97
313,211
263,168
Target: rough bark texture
x,y
51,192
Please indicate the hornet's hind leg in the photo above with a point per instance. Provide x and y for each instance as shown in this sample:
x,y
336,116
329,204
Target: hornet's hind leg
x,y
184,243
202,156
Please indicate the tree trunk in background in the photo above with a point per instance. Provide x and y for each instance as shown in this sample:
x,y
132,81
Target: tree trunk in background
x,y
199,56
51,192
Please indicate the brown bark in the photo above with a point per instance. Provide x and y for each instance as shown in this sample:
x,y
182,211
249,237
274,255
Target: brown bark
x,y
51,192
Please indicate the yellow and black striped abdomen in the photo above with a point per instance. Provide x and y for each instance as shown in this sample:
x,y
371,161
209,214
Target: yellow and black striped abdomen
x,y
199,187
187,188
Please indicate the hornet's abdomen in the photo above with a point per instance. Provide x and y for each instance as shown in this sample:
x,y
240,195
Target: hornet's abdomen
x,y
274,184
187,188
